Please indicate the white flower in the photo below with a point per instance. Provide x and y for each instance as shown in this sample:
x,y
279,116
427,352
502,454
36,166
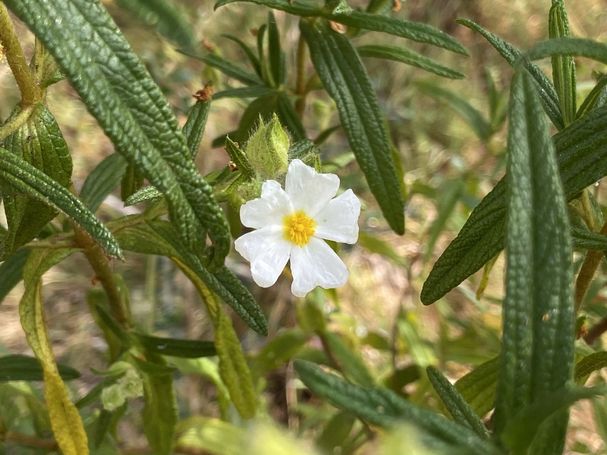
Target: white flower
x,y
291,223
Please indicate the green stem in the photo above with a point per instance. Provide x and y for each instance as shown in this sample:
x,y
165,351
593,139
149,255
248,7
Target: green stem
x,y
587,271
16,122
30,92
300,81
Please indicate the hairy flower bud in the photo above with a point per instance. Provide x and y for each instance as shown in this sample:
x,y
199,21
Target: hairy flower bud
x,y
268,149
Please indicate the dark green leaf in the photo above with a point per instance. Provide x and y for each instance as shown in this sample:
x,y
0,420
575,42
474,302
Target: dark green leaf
x,y
478,386
538,311
588,240
346,80
40,143
275,54
189,349
512,55
239,158
248,52
102,180
197,121
455,403
589,364
569,46
22,176
11,271
594,98
384,408
25,368
227,68
132,181
415,31
563,67
166,16
130,107
403,55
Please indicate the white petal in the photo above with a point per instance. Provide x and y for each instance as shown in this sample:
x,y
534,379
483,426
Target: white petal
x,y
308,190
267,210
338,221
316,264
267,252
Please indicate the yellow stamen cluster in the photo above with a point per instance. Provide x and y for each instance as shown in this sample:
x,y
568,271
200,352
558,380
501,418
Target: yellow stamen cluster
x,y
298,228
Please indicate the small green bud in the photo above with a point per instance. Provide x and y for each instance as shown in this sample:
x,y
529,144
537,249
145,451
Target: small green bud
x,y
268,149
128,386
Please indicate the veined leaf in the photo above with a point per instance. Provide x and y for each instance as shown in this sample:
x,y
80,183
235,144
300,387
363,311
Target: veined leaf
x,y
197,120
594,97
102,180
384,408
65,421
25,368
563,67
583,238
275,54
189,349
512,55
130,107
403,55
415,31
582,159
346,80
589,364
455,403
11,271
478,386
569,46
227,68
166,16
25,178
40,143
538,311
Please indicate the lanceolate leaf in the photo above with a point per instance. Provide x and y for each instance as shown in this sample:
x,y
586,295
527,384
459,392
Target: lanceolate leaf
x,y
478,386
197,120
25,368
25,178
130,107
346,80
384,408
538,311
582,238
102,180
570,46
415,31
563,67
227,68
65,421
588,364
455,403
168,18
39,142
594,98
11,271
582,160
189,349
401,54
511,54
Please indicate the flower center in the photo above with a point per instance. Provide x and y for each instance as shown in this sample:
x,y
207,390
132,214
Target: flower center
x,y
298,228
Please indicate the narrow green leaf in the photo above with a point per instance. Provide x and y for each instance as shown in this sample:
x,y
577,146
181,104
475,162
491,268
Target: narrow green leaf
x,y
25,368
583,238
348,361
159,238
384,408
188,349
24,177
470,114
102,180
11,271
40,143
160,410
168,18
132,181
563,67
589,364
248,52
275,54
147,193
335,432
478,387
415,31
239,158
130,107
281,349
538,311
594,98
529,423
252,91
196,122
346,80
403,55
569,46
227,68
455,403
511,54
582,159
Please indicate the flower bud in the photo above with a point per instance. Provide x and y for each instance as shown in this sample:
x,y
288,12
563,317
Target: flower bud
x,y
268,149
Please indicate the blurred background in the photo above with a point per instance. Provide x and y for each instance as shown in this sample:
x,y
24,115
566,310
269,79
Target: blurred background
x,y
450,135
